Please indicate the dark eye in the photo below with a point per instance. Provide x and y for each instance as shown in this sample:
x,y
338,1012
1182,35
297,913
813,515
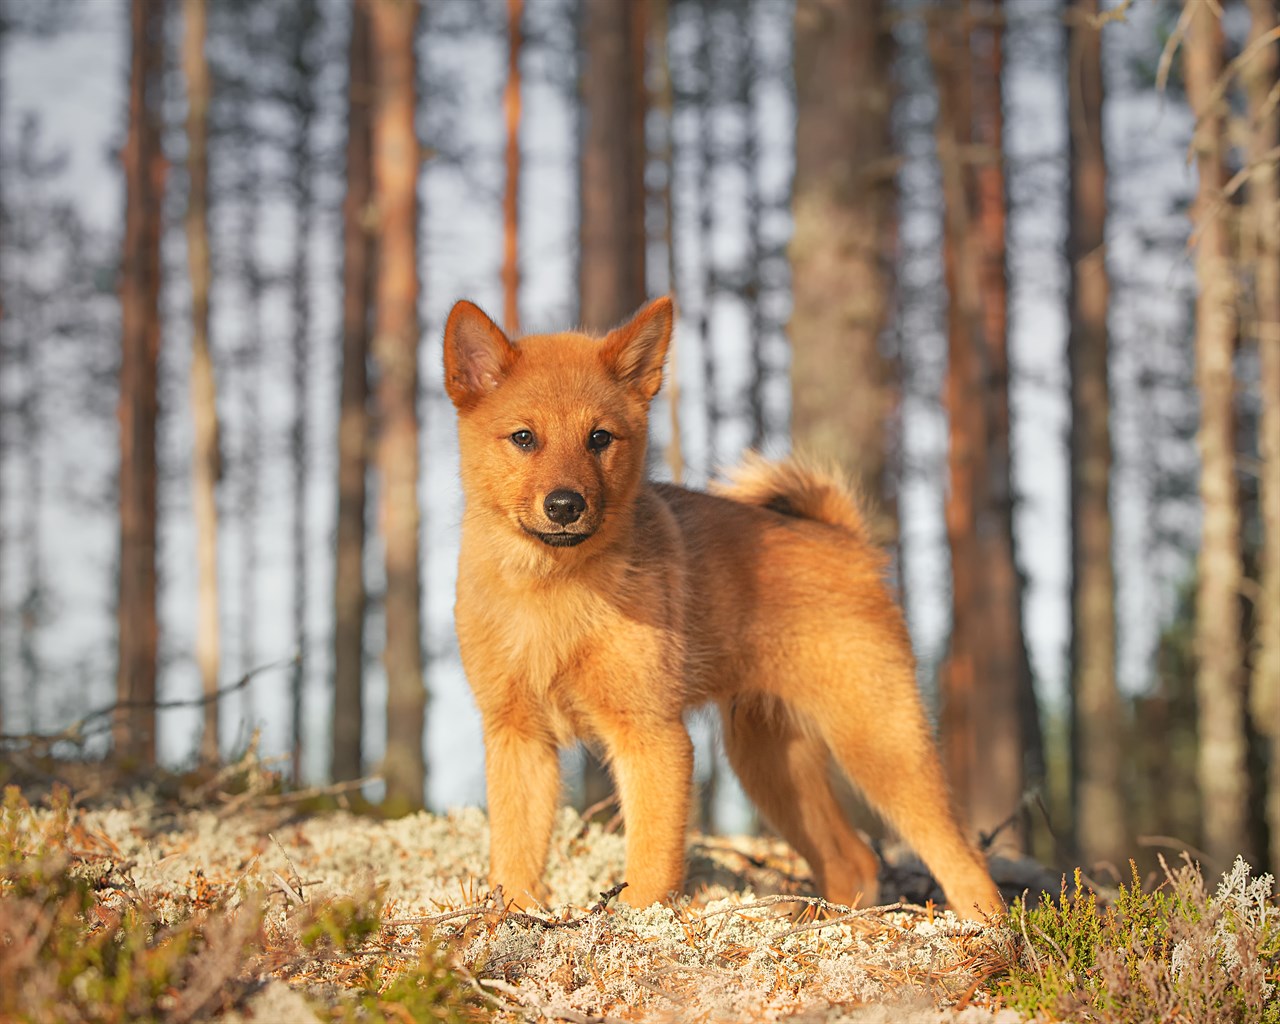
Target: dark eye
x,y
523,439
599,440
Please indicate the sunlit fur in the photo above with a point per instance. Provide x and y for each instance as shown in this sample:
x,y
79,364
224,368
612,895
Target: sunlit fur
x,y
765,599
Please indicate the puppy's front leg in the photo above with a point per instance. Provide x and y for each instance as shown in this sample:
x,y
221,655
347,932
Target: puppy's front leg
x,y
653,766
522,773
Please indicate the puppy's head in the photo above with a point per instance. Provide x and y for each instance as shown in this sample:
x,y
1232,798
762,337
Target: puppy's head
x,y
553,428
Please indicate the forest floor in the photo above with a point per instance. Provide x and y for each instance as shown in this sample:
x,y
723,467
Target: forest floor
x,y
339,903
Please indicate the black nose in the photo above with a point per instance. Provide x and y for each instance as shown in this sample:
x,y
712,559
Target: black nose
x,y
564,507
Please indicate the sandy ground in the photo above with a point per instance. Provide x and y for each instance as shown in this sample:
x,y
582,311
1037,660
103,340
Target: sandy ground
x,y
735,948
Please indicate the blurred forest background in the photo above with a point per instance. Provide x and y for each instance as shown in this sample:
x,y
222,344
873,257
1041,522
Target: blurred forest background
x,y
1016,265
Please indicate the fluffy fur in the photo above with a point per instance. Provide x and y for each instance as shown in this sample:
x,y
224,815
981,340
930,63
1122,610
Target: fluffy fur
x,y
765,599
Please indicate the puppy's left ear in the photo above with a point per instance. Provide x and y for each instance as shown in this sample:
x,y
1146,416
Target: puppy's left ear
x,y
634,352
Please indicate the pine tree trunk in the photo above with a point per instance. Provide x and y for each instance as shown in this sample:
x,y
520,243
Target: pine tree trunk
x,y
1097,738
844,202
349,594
511,190
1264,211
612,269
705,185
1007,698
248,367
982,690
959,675
302,113
206,468
613,155
31,426
134,732
752,283
660,31
1220,680
396,163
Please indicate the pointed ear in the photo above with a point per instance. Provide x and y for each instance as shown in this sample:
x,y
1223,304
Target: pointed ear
x,y
477,355
634,352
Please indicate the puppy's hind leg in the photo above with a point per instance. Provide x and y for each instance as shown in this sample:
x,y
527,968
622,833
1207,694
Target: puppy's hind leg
x,y
784,766
881,738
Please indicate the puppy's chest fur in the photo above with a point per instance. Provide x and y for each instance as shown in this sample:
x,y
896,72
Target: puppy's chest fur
x,y
548,650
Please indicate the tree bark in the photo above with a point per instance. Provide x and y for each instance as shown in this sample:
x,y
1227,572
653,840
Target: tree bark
x,y
1264,211
659,29
134,731
206,463
704,183
511,191
1220,679
349,595
248,198
1097,737
612,268
28,304
751,282
1010,688
844,205
612,282
302,113
981,679
396,163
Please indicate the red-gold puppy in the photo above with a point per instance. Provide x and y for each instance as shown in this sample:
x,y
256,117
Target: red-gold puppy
x,y
593,604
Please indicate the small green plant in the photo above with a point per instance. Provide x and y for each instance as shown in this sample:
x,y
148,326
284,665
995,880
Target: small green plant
x,y
431,990
80,943
1176,954
342,924
66,957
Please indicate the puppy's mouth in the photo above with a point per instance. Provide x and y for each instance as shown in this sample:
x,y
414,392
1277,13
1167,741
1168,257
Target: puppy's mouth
x,y
558,539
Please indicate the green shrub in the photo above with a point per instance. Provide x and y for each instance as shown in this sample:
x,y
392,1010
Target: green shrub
x,y
1175,954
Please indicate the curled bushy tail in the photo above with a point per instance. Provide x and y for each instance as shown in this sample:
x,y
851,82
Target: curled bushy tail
x,y
798,488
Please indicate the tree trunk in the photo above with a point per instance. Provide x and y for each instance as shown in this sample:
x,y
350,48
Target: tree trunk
x,y
752,283
980,682
28,305
612,268
1008,664
959,673
1264,211
349,594
206,467
511,190
302,113
396,164
842,249
613,157
248,367
1220,681
660,31
1097,736
704,179
134,731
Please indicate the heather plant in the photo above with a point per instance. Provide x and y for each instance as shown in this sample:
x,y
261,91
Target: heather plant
x,y
1176,954
81,942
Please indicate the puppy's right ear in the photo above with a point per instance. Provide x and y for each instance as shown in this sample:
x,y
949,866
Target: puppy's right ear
x,y
477,355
